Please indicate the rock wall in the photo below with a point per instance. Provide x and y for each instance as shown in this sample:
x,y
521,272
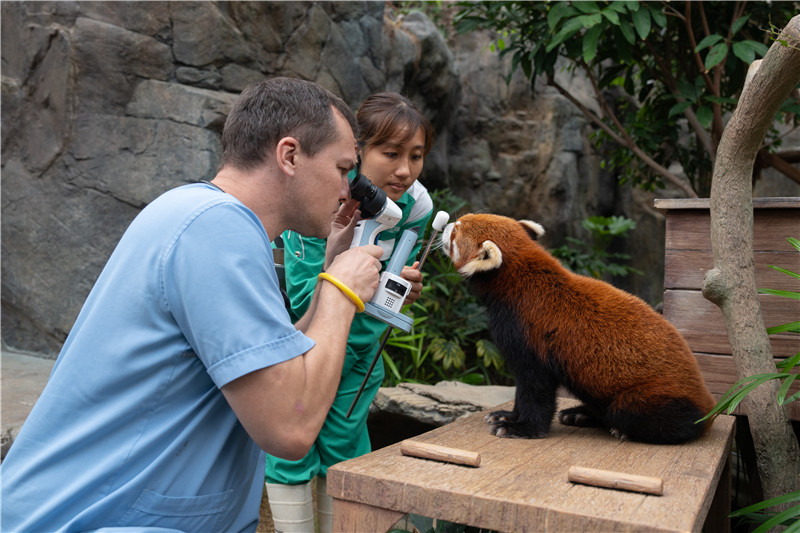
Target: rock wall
x,y
106,105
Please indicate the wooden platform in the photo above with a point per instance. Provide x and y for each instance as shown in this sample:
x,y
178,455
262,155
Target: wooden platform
x,y
521,484
688,257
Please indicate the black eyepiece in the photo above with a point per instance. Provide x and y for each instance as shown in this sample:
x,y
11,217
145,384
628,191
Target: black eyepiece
x,y
371,197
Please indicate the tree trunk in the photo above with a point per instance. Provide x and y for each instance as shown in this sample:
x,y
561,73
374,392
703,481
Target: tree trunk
x,y
731,284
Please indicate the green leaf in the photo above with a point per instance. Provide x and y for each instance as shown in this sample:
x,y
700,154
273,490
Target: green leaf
x,y
627,31
392,367
558,12
788,272
678,108
788,364
738,23
708,41
760,506
587,7
794,242
590,43
658,16
743,52
705,115
784,390
778,519
590,21
641,20
777,292
619,7
792,327
611,15
716,55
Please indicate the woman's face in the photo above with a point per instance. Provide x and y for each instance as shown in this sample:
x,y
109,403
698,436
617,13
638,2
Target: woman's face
x,y
394,166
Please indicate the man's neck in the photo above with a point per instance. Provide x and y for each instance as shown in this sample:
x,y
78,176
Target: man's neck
x,y
256,190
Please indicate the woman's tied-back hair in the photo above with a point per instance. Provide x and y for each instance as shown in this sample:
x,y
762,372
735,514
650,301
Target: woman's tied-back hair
x,y
276,108
383,116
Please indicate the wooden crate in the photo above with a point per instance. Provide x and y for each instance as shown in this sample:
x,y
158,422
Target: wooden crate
x,y
688,256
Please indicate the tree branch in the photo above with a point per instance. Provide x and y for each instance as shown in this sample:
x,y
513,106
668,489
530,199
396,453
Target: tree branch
x,y
659,169
731,284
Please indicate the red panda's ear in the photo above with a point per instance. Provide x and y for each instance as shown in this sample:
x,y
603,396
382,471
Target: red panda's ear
x,y
488,257
534,229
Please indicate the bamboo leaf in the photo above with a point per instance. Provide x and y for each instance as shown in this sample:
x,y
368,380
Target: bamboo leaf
x,y
760,506
387,361
778,292
778,519
793,327
784,390
788,364
788,272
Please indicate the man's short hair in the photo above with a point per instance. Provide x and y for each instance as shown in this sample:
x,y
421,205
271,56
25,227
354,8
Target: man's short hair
x,y
276,108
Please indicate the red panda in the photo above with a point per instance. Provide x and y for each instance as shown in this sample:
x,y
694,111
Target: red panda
x,y
631,369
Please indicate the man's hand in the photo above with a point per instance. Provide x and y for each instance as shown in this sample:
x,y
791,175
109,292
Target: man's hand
x,y
359,268
413,275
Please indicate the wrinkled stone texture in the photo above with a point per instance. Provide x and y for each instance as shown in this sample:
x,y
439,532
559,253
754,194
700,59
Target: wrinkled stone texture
x,y
105,105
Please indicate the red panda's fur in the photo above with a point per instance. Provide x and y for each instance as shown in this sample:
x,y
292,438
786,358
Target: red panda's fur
x,y
630,367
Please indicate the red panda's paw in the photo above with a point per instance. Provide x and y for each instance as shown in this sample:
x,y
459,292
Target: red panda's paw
x,y
618,434
497,417
505,424
578,416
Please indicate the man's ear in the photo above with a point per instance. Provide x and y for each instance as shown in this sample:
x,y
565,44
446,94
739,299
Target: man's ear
x,y
286,154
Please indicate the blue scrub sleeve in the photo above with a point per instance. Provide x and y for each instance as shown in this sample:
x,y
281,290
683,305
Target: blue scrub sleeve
x,y
220,284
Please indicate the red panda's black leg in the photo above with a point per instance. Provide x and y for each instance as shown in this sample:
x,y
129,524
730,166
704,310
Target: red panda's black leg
x,y
534,406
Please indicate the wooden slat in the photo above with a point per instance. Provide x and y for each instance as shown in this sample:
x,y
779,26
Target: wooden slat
x,y
685,269
701,323
350,517
690,230
719,373
703,203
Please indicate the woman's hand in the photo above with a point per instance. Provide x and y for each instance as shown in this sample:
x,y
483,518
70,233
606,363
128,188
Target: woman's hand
x,y
412,274
342,229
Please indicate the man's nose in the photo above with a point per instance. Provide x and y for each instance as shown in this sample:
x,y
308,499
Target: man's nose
x,y
344,193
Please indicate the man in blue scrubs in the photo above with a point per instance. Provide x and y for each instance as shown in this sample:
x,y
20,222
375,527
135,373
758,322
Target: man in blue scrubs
x,y
183,366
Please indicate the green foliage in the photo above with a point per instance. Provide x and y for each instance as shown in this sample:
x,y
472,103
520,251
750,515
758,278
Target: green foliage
x,y
673,69
594,259
449,339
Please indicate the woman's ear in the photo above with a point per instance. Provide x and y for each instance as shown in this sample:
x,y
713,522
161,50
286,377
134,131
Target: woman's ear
x,y
286,153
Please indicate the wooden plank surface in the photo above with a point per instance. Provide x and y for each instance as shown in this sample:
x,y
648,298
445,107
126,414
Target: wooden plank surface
x,y
703,203
685,269
701,323
521,484
691,230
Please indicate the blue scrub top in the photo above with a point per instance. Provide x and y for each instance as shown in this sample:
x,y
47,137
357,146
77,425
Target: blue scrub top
x,y
132,430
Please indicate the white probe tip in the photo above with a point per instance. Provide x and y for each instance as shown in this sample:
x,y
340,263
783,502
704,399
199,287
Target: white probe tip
x,y
440,221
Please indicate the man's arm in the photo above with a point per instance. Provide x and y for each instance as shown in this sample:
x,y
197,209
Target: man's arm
x,y
283,406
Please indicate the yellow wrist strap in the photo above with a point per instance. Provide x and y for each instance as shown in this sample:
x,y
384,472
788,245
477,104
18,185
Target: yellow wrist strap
x,y
344,288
